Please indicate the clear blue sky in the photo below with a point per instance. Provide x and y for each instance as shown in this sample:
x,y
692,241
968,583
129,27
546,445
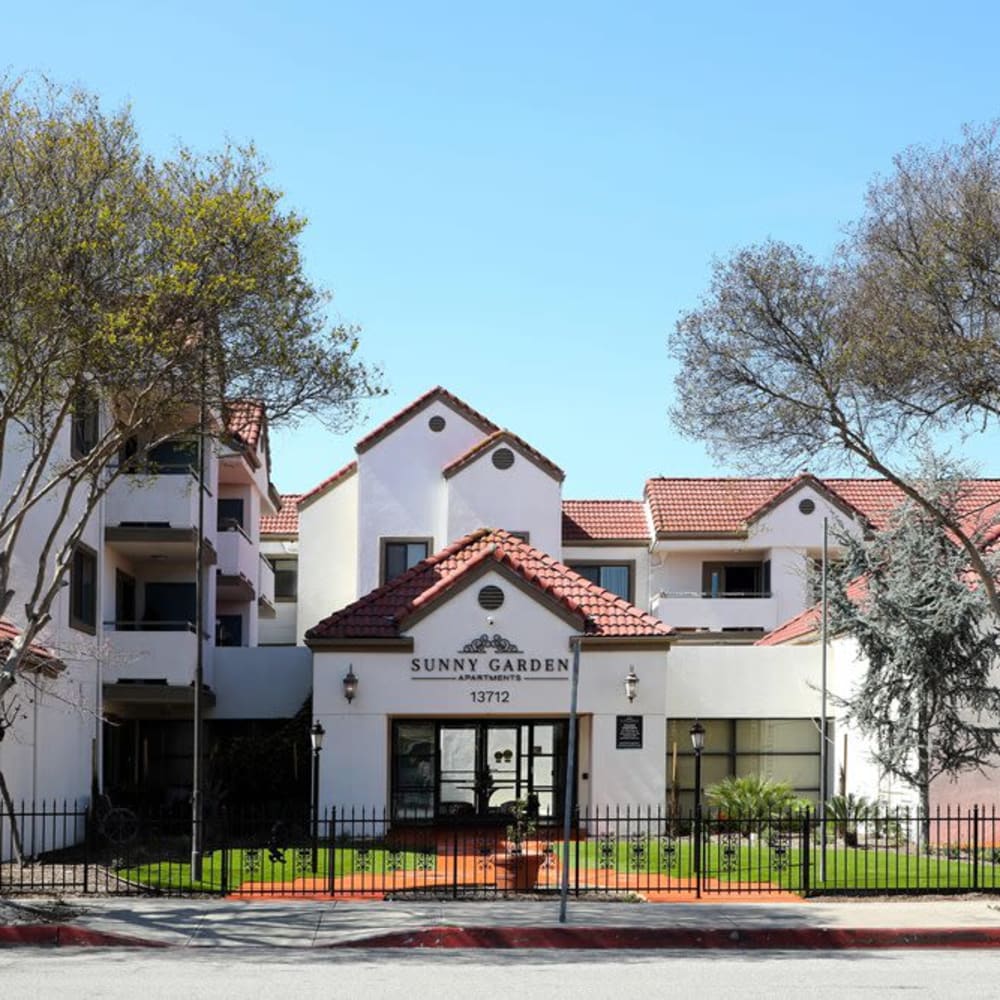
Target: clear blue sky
x,y
517,200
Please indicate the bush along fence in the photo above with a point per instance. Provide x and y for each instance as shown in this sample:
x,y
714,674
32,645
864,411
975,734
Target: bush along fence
x,y
72,849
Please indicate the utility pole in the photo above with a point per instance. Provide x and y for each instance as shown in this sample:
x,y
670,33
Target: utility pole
x,y
199,629
570,799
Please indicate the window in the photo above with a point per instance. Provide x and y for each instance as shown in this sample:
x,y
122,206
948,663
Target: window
x,y
229,630
84,427
173,458
83,590
616,577
399,554
735,579
779,749
286,578
229,514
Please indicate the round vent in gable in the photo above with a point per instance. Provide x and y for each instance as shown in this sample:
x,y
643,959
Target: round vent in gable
x,y
806,506
503,458
490,598
436,423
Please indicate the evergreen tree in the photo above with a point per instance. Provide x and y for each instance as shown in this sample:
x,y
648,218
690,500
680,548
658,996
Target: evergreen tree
x,y
925,631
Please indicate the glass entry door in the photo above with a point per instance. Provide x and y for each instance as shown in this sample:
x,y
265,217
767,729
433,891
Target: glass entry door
x,y
477,770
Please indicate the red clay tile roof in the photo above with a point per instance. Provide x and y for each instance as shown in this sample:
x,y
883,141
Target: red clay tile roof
x,y
707,505
341,474
245,420
604,520
808,622
507,437
384,612
724,506
286,521
38,657
437,393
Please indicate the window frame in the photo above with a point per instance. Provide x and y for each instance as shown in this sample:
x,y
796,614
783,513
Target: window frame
x,y
384,543
274,560
85,424
628,564
77,621
722,566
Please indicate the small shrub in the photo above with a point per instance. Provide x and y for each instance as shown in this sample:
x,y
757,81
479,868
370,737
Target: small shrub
x,y
847,811
754,798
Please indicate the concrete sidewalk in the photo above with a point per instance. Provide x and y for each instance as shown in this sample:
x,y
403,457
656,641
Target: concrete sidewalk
x,y
969,922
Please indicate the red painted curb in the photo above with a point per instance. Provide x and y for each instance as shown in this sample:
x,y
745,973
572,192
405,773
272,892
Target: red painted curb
x,y
601,938
63,935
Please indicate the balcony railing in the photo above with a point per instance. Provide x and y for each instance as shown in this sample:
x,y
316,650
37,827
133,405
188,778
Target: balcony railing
x,y
145,625
239,561
717,594
265,582
151,651
148,499
700,610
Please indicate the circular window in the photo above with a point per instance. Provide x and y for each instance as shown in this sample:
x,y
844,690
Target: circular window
x,y
806,506
436,424
490,598
503,458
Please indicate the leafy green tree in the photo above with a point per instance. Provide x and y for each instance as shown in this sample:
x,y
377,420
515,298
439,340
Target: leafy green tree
x,y
149,294
790,361
926,636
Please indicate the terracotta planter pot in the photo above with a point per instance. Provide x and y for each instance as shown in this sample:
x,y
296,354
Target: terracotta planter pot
x,y
518,872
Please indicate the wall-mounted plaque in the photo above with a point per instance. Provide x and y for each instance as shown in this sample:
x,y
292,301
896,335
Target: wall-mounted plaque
x,y
628,732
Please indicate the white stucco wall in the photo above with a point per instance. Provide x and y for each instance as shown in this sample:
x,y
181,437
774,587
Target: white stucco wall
x,y
281,629
328,560
391,684
47,753
743,682
261,683
401,489
521,498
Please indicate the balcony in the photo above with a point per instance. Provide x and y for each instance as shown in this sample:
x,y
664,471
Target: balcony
x,y
718,612
146,655
153,514
238,566
265,588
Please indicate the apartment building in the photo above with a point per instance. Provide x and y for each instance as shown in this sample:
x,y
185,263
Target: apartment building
x,y
448,533
426,603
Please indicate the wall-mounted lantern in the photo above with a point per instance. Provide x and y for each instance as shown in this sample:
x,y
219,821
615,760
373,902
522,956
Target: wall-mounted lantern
x,y
631,684
350,685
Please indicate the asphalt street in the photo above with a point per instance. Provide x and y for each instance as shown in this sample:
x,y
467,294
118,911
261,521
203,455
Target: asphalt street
x,y
471,975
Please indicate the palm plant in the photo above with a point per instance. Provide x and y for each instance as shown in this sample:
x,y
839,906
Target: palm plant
x,y
847,811
753,798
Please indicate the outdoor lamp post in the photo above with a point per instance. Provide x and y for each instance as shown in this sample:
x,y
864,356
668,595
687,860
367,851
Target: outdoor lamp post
x,y
316,735
631,684
698,743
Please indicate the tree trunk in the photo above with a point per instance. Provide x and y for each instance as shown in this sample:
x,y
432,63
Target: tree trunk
x,y
923,774
15,835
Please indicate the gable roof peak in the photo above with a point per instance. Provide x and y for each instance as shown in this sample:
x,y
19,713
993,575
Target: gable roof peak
x,y
437,394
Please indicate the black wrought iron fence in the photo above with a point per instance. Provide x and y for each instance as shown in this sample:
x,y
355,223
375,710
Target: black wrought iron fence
x,y
72,848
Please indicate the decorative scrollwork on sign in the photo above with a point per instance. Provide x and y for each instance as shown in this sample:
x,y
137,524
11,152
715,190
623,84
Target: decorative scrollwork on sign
x,y
497,643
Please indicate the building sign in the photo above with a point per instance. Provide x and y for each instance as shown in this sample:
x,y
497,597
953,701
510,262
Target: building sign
x,y
492,659
628,732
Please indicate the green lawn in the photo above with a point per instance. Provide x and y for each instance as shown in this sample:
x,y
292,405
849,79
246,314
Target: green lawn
x,y
639,861
242,865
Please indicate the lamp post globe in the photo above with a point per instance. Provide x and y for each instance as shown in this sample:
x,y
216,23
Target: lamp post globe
x,y
316,735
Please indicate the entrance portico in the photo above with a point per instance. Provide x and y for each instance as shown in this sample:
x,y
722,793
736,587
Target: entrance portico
x,y
462,701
